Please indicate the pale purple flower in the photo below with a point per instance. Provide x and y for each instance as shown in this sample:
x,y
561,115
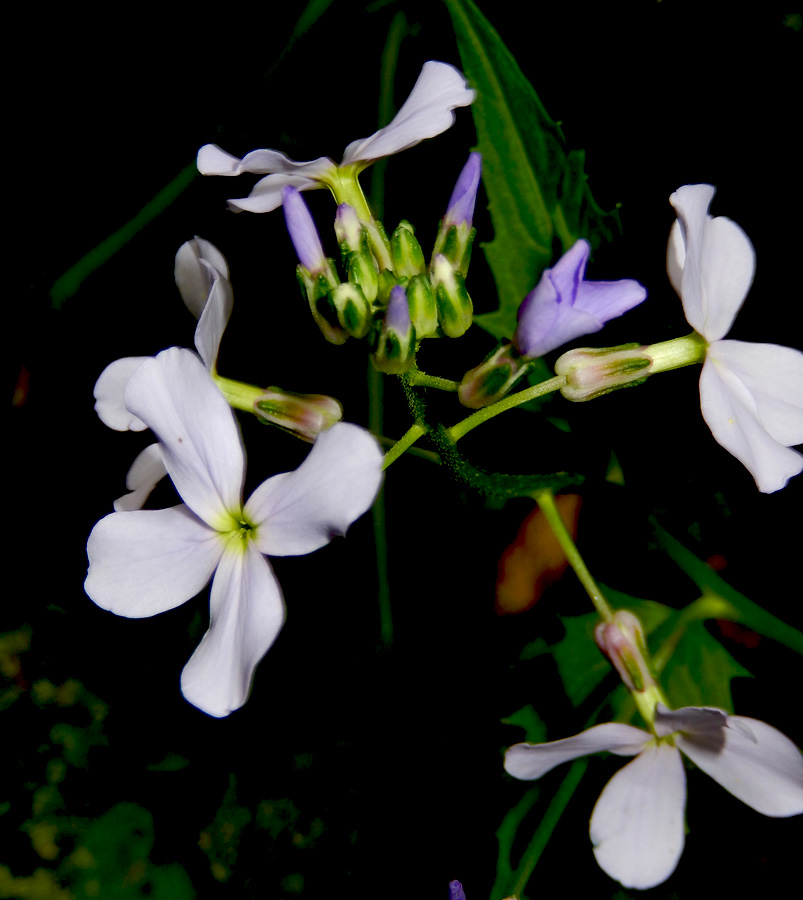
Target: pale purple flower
x,y
456,891
751,394
427,112
145,562
564,306
637,827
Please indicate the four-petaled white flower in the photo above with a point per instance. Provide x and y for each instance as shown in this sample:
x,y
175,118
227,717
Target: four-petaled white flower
x,y
144,562
751,394
427,112
637,827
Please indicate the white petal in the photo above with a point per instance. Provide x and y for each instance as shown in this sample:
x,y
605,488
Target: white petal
x,y
637,825
734,416
719,263
109,390
426,112
774,377
267,193
675,257
765,772
214,161
214,318
530,761
148,561
145,473
298,512
201,445
193,278
246,615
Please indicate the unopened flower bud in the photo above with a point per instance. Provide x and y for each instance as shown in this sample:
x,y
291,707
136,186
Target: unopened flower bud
x,y
393,338
362,271
492,378
305,415
406,252
350,233
423,306
352,308
622,641
455,235
303,233
454,304
318,291
591,372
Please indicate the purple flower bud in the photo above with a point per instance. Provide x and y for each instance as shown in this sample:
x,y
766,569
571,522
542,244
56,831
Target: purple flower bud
x,y
456,891
302,230
563,306
397,317
464,195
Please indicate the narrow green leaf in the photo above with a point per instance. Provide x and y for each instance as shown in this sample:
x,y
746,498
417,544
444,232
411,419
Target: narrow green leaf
x,y
537,191
737,607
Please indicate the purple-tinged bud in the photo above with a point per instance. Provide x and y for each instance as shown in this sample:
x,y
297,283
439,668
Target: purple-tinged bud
x,y
593,371
492,378
622,641
461,205
305,415
454,304
456,891
303,232
455,235
393,337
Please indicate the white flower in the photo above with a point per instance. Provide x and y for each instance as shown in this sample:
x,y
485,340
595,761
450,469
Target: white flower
x,y
148,561
751,394
427,112
637,827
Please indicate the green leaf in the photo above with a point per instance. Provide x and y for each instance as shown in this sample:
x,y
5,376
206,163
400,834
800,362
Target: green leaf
x,y
732,605
528,719
537,190
700,670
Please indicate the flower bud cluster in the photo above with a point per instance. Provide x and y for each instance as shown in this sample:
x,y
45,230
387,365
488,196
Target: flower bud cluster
x,y
390,294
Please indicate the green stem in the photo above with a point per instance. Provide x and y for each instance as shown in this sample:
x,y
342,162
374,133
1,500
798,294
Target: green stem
x,y
413,434
483,415
546,501
238,394
421,379
542,835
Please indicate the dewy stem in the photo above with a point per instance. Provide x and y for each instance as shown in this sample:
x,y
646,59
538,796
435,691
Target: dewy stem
x,y
413,434
546,501
483,415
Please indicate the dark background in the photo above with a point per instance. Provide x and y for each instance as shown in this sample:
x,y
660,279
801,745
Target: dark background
x,y
396,751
